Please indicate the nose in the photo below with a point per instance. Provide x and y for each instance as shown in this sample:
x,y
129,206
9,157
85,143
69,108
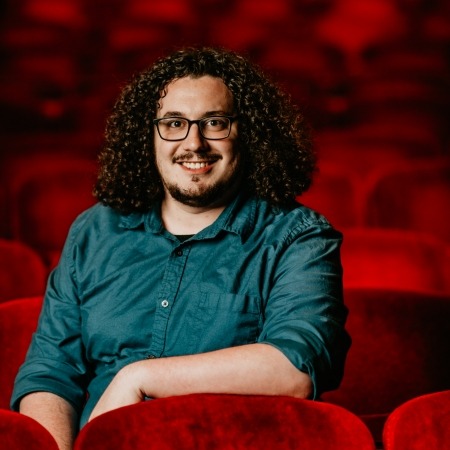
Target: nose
x,y
194,140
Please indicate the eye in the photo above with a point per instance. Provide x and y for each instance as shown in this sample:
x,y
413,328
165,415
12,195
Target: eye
x,y
216,122
174,123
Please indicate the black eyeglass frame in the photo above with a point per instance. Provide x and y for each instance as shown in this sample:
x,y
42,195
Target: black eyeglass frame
x,y
197,122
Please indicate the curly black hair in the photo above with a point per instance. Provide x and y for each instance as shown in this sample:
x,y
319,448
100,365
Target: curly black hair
x,y
273,135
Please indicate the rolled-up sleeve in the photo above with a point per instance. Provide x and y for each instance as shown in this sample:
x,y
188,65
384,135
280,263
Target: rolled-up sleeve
x,y
55,361
305,314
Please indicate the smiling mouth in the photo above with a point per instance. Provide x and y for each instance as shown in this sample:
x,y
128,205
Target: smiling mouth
x,y
195,165
200,164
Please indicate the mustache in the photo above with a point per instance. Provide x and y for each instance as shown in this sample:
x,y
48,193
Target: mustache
x,y
198,156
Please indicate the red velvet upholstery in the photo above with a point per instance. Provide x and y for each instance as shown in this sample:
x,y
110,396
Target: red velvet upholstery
x,y
208,421
18,320
337,194
358,151
399,351
22,271
422,423
19,432
395,259
3,212
47,194
415,196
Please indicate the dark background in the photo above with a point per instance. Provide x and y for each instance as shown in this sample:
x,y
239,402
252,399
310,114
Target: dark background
x,y
372,77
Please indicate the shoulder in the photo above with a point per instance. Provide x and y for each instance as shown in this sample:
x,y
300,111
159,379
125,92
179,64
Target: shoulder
x,y
280,228
98,220
97,214
294,219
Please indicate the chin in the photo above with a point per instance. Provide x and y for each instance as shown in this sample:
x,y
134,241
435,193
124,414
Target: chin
x,y
210,196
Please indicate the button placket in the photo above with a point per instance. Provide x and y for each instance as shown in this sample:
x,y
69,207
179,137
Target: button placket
x,y
169,287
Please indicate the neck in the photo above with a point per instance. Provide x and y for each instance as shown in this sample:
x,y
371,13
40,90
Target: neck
x,y
180,219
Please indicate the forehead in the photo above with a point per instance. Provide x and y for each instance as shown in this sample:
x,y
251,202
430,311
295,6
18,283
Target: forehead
x,y
191,96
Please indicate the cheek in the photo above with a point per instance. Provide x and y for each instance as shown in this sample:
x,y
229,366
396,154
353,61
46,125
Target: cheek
x,y
161,161
234,164
235,156
163,153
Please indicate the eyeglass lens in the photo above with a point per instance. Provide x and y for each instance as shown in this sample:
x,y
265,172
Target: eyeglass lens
x,y
177,128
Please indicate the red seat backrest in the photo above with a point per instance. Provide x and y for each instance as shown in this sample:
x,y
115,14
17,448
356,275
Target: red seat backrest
x,y
21,432
336,194
399,349
46,195
394,259
209,421
22,271
422,423
414,197
18,321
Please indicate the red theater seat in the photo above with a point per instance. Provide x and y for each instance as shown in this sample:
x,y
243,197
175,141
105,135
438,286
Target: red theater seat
x,y
142,31
404,94
415,196
47,193
19,432
399,351
22,271
336,193
18,321
422,423
403,110
361,150
402,133
3,213
221,422
395,259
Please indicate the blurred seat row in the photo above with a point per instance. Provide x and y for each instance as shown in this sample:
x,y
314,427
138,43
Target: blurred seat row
x,y
397,193
373,77
223,422
395,219
371,257
43,195
399,352
380,64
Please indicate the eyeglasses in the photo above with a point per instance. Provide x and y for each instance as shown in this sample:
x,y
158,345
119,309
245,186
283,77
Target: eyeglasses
x,y
177,128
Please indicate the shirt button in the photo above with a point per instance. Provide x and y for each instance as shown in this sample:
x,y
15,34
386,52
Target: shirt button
x,y
164,303
179,252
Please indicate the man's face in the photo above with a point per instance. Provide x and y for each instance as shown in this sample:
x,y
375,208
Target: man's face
x,y
196,171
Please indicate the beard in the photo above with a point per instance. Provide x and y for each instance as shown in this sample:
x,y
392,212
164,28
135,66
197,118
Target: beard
x,y
212,195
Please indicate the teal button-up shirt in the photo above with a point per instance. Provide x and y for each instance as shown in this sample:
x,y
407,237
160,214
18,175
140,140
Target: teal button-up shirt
x,y
126,289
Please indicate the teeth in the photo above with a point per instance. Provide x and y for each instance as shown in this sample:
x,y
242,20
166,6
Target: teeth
x,y
195,165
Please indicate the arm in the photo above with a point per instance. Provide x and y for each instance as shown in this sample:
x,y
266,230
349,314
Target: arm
x,y
53,413
250,369
50,386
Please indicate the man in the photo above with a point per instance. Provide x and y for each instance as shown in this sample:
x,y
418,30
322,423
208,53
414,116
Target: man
x,y
197,271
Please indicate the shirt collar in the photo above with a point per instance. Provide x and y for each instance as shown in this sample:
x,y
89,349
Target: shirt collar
x,y
238,218
131,221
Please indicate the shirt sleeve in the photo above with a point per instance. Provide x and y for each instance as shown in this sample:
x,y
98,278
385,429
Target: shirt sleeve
x,y
305,314
55,360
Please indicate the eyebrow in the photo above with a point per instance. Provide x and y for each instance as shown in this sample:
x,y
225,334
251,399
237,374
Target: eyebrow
x,y
206,114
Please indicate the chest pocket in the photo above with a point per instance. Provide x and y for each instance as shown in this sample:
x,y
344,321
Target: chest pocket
x,y
226,320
